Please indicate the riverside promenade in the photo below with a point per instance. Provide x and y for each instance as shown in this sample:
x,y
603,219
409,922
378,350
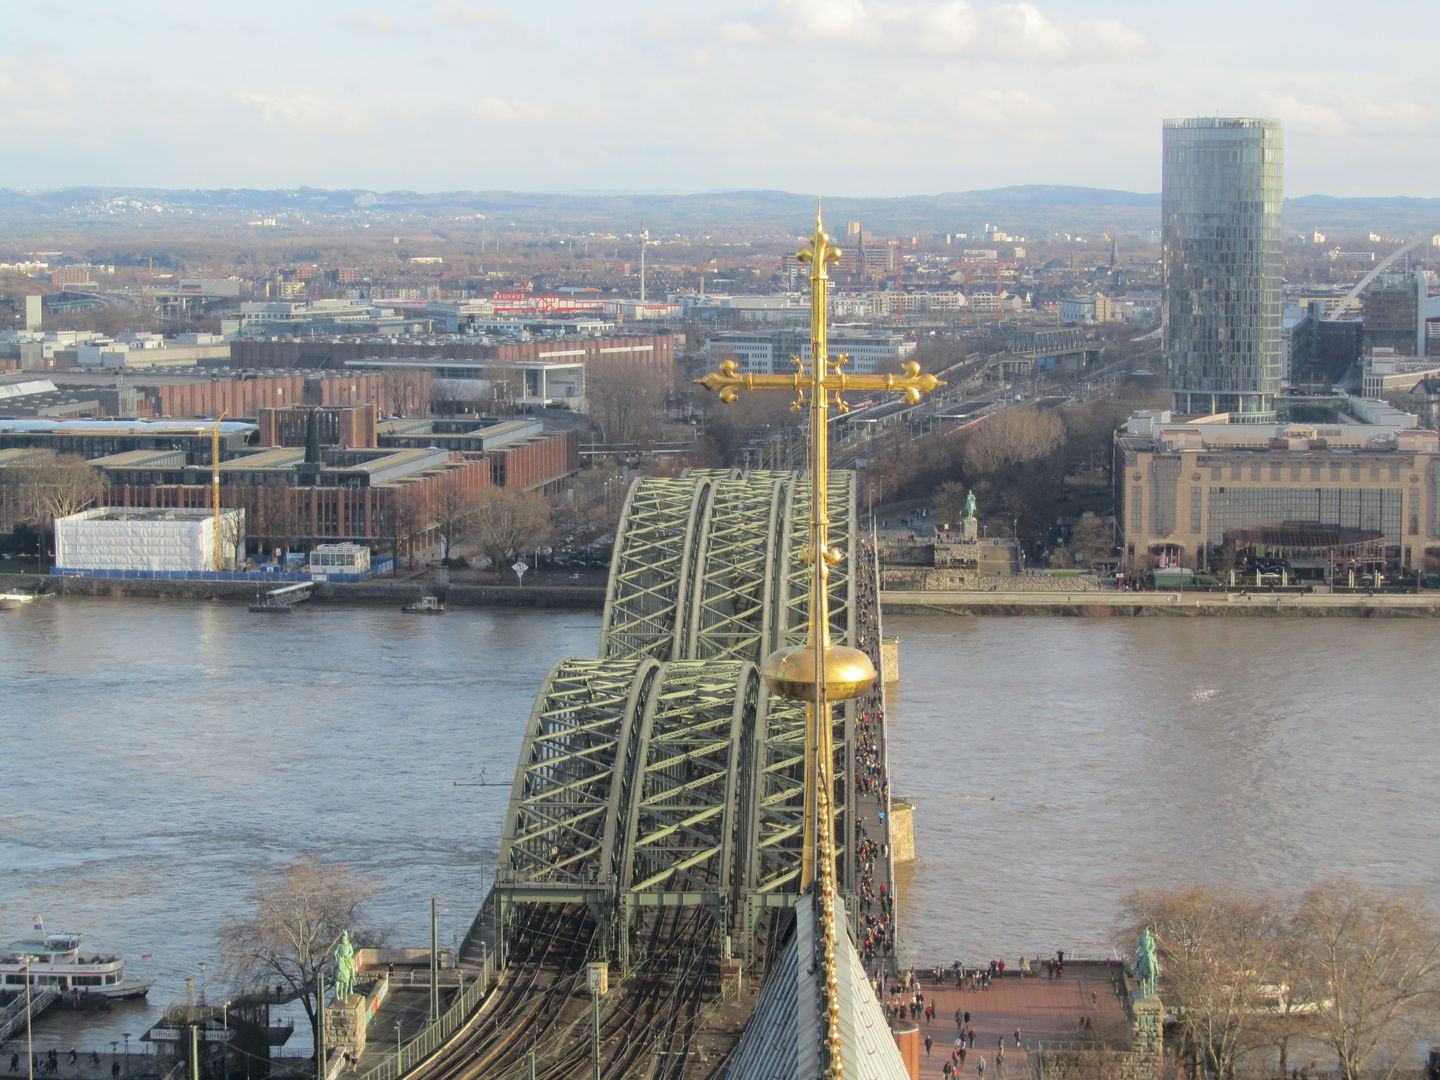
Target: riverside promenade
x,y
1097,602
1047,1012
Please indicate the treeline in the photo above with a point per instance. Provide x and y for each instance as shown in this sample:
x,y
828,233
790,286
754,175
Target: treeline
x,y
1016,460
1254,978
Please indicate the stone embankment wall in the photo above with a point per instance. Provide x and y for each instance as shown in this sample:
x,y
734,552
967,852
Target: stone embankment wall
x,y
372,593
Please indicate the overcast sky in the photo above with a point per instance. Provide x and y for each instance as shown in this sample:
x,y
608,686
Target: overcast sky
x,y
845,97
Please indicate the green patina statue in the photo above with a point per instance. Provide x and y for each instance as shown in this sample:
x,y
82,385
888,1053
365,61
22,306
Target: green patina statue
x,y
344,968
1146,963
970,505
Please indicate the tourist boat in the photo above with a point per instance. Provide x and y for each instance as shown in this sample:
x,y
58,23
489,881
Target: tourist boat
x,y
56,961
11,600
426,605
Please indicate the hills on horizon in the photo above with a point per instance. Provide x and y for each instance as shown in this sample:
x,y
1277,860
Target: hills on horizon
x,y
1025,209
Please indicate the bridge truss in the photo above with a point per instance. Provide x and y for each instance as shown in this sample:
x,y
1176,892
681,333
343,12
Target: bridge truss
x,y
663,773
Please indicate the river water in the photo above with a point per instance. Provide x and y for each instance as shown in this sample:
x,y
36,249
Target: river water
x,y
157,756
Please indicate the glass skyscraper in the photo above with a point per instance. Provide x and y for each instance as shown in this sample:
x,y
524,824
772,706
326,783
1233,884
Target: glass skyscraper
x,y
1222,188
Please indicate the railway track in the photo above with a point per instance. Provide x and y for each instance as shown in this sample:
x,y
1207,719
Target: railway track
x,y
547,968
647,1020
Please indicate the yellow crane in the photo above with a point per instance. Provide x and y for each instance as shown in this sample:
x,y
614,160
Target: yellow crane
x,y
215,485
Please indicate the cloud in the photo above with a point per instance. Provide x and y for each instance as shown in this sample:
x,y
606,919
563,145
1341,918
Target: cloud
x,y
368,22
308,112
1332,115
950,28
503,111
1013,110
941,28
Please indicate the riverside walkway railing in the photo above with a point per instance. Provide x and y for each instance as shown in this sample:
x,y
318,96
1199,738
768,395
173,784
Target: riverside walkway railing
x,y
462,1007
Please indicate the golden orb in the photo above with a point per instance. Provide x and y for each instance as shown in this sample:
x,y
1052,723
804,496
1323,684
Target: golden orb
x,y
790,673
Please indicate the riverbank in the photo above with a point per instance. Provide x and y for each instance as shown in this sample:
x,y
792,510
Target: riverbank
x,y
374,593
1189,605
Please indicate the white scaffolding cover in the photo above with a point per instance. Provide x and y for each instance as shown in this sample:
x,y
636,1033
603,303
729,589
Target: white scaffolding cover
x,y
154,540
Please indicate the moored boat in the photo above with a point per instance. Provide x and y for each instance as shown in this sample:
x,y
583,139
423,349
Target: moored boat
x,y
56,961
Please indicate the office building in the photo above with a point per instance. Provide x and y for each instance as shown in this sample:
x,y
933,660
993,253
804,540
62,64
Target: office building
x,y
1184,492
1222,188
769,352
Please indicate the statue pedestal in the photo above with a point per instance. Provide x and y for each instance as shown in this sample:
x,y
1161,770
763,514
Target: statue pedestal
x,y
345,1026
1147,1034
969,531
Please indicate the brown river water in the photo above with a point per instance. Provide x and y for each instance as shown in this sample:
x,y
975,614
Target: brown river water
x,y
155,756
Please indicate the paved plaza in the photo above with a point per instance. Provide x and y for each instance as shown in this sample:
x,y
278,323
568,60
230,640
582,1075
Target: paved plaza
x,y
1047,1011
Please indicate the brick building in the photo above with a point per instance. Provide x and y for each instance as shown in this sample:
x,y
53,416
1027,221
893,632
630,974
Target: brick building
x,y
653,349
246,396
340,425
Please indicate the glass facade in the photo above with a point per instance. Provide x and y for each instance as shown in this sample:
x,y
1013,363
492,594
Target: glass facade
x,y
1222,185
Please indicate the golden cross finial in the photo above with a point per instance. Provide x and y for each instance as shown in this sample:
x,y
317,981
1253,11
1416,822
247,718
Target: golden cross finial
x,y
818,673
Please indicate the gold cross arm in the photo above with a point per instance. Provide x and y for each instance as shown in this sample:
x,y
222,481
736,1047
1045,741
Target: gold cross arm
x,y
729,379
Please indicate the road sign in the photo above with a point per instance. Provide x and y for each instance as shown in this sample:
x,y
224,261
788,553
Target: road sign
x,y
520,567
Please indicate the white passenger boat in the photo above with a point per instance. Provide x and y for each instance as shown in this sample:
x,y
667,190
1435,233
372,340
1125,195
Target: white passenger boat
x,y
56,960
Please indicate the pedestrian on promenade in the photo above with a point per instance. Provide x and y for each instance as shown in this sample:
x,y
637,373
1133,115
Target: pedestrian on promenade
x,y
947,1070
967,1016
960,1025
962,1057
980,1068
1017,1038
929,1042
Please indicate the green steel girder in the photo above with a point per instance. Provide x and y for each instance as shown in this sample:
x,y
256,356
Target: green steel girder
x,y
574,774
664,769
734,589
682,815
651,568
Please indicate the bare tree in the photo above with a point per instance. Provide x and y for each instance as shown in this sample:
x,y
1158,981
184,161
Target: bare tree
x,y
405,516
625,399
56,486
299,915
1220,952
504,383
451,396
1013,437
508,524
950,501
1092,539
1369,965
451,507
232,536
406,390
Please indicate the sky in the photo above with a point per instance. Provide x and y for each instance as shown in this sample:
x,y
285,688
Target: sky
x,y
843,97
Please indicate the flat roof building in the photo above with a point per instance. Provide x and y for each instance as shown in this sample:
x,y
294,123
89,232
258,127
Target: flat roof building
x,y
1183,490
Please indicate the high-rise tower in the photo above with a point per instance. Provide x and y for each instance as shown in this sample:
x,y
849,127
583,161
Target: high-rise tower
x,y
1222,189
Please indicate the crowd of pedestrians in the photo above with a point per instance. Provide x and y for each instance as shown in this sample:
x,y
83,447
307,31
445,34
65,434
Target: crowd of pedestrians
x,y
872,854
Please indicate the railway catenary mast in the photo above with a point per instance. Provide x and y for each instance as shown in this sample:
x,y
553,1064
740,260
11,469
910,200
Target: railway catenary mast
x,y
819,673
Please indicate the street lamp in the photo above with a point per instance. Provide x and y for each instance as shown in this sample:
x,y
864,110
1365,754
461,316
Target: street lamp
x,y
29,1040
127,1052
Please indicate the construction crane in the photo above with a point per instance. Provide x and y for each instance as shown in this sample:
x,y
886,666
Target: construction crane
x,y
215,485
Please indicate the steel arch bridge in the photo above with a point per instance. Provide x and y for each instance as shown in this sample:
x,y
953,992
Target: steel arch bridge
x,y
663,773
